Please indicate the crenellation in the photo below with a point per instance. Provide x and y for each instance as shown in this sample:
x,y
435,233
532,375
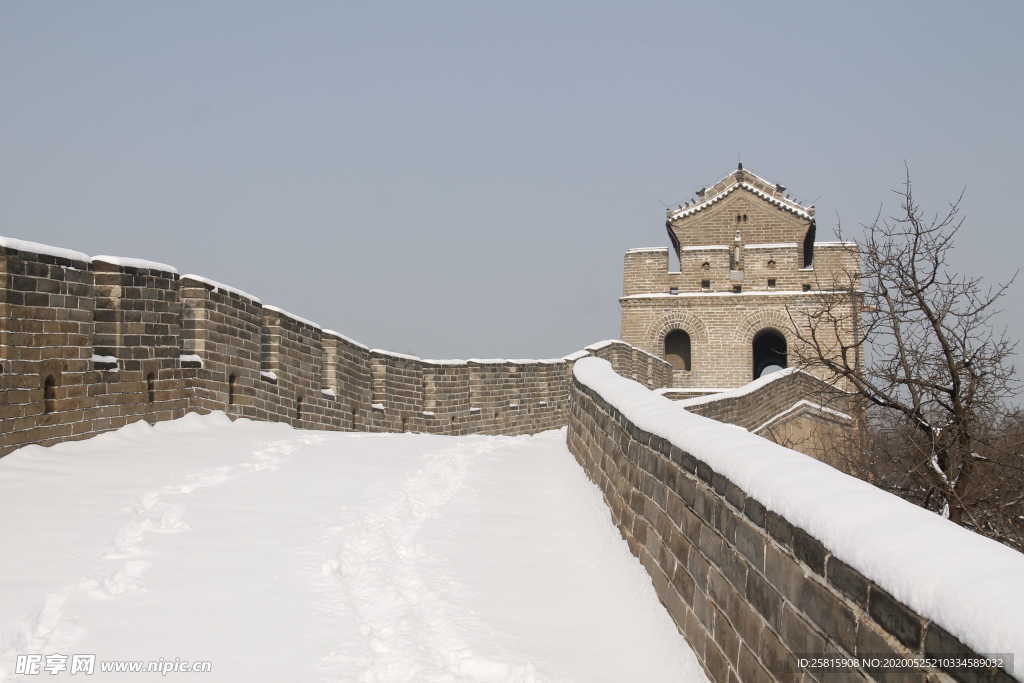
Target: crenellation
x,y
750,275
748,589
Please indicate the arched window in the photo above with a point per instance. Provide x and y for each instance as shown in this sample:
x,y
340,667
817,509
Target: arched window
x,y
150,387
231,389
677,349
769,348
298,408
49,394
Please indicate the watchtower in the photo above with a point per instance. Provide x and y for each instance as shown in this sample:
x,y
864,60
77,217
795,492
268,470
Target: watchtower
x,y
747,261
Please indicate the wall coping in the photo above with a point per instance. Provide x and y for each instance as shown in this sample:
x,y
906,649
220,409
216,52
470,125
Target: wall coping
x,y
288,314
44,249
220,286
126,262
968,584
597,346
138,263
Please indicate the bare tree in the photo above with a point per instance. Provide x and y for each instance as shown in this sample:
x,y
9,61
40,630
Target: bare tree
x,y
935,374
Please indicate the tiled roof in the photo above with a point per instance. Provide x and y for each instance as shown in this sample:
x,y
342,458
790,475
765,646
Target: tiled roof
x,y
784,203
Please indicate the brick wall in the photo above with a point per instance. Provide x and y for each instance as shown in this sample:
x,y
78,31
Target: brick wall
x,y
743,233
90,344
749,590
60,318
721,327
756,404
792,408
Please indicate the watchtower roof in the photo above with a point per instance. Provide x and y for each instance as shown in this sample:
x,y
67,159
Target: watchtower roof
x,y
742,179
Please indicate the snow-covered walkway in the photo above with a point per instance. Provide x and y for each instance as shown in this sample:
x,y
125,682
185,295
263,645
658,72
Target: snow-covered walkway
x,y
285,555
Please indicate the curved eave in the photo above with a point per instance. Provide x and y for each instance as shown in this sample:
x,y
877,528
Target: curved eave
x,y
801,211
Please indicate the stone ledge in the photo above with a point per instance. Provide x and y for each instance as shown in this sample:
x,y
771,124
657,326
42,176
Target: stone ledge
x,y
747,588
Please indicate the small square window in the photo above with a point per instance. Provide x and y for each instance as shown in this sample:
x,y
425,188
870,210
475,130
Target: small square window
x,y
737,288
673,290
705,284
807,287
771,283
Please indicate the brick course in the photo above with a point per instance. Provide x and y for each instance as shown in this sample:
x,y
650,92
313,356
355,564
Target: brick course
x,y
747,589
184,344
733,236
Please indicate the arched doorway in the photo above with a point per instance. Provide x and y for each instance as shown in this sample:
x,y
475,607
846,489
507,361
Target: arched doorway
x,y
769,348
677,349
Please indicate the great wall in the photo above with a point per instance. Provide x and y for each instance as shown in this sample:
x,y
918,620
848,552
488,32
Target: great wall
x,y
91,344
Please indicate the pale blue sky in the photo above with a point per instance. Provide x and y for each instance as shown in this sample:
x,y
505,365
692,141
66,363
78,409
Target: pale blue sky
x,y
461,178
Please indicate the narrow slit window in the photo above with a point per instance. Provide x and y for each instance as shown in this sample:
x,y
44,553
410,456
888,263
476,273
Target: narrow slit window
x,y
49,394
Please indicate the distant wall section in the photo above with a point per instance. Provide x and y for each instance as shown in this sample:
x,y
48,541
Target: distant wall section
x,y
89,344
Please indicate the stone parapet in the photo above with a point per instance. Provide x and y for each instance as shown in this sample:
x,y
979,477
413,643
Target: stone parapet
x,y
90,344
751,591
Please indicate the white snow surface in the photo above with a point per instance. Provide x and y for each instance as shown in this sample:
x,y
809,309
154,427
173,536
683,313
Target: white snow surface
x,y
128,262
287,555
96,358
221,286
787,204
350,340
747,388
292,316
695,390
39,248
797,406
395,354
597,346
191,358
969,584
771,245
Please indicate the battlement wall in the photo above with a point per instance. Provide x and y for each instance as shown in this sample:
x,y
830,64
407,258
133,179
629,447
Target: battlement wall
x,y
645,270
88,344
761,403
792,408
763,556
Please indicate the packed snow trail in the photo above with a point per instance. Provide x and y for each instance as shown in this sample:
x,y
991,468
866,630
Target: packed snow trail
x,y
279,554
